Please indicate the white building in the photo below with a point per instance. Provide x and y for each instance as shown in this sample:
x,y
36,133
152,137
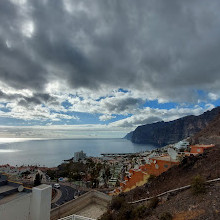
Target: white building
x,y
79,156
17,202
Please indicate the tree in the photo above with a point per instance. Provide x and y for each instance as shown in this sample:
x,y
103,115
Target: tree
x,y
37,180
198,185
26,173
106,175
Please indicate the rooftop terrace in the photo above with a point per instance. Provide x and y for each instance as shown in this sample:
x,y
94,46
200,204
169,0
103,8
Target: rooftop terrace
x,y
9,190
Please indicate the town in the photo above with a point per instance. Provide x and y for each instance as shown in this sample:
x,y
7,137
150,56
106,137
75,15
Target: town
x,y
110,173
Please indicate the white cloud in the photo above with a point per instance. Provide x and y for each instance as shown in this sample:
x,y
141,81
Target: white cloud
x,y
213,96
115,102
28,28
63,131
106,117
149,115
115,129
37,112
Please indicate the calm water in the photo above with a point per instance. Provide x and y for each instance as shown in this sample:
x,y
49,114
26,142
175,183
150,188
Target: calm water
x,y
52,152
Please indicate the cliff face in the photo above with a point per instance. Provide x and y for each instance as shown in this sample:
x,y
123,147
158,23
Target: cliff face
x,y
163,133
210,134
129,135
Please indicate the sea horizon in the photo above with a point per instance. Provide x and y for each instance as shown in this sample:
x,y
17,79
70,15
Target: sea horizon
x,y
23,139
52,152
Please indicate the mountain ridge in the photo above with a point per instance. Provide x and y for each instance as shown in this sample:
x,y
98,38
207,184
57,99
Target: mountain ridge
x,y
163,133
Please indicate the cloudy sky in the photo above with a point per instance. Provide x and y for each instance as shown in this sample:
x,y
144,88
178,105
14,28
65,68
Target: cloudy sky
x,y
75,68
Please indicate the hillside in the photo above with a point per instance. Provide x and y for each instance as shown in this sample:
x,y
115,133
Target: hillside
x,y
210,134
207,165
182,205
163,133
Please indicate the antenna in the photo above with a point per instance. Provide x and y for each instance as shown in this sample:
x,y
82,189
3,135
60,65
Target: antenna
x,y
172,153
20,188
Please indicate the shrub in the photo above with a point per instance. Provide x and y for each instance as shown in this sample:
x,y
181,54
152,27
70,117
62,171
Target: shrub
x,y
152,204
37,180
198,185
125,213
151,177
117,202
166,216
26,173
52,174
141,211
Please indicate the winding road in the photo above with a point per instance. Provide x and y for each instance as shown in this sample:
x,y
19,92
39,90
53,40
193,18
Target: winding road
x,y
67,193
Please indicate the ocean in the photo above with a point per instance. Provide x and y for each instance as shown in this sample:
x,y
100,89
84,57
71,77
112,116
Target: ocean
x,y
51,153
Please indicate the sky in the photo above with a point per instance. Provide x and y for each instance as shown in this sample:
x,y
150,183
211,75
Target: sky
x,y
79,68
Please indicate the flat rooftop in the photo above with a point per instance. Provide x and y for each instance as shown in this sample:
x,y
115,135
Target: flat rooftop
x,y
164,158
203,145
6,188
9,190
11,197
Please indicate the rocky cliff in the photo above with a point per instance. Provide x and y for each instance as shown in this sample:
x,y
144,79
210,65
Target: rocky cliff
x,y
163,133
210,134
129,135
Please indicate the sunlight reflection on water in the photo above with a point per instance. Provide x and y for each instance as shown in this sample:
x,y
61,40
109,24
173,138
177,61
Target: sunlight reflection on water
x,y
8,150
14,140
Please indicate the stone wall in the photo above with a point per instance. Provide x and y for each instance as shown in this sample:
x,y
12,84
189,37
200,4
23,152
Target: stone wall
x,y
80,203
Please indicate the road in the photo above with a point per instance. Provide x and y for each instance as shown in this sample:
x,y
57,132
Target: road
x,y
68,194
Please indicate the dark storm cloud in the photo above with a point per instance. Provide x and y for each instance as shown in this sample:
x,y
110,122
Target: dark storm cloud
x,y
36,99
169,47
4,96
121,105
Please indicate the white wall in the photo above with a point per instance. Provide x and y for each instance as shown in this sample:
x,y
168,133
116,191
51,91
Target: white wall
x,y
31,206
17,209
41,202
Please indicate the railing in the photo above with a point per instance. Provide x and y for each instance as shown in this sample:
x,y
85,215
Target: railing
x,y
76,217
170,191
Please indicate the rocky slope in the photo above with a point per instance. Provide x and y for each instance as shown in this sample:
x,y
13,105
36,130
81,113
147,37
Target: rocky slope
x,y
163,133
182,205
206,165
210,134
